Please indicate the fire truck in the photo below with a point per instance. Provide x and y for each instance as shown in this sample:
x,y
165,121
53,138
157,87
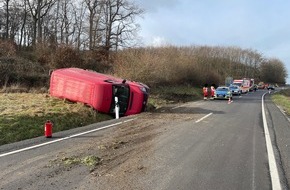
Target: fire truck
x,y
99,90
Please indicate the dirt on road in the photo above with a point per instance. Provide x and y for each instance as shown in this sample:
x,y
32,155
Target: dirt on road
x,y
115,160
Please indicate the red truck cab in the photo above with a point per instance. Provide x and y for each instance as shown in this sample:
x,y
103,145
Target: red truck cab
x,y
99,90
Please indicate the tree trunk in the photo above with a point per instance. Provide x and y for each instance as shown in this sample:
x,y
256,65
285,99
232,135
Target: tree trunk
x,y
7,19
39,27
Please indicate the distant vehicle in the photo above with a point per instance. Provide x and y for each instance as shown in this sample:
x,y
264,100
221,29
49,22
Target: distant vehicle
x,y
99,90
261,85
255,88
235,89
240,83
271,87
252,85
245,84
223,92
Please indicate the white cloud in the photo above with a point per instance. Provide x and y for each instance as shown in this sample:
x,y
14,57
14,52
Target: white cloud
x,y
156,5
242,23
158,41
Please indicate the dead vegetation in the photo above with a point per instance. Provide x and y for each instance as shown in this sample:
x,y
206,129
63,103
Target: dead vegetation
x,y
188,65
161,66
22,115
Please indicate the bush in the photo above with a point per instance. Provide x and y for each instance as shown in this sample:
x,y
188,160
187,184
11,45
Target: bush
x,y
96,60
158,66
66,57
7,48
22,72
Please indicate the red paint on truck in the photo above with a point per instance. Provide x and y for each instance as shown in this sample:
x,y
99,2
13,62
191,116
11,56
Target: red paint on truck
x,y
99,90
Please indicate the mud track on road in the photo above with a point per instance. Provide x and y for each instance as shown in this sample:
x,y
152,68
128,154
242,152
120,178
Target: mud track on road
x,y
118,158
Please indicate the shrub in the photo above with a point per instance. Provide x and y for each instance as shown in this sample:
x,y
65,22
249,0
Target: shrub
x,y
66,57
7,48
158,66
96,60
22,72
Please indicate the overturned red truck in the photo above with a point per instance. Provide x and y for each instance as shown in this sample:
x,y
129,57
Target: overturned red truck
x,y
99,90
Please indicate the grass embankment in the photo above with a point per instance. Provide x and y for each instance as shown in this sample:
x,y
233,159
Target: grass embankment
x,y
22,115
175,94
282,99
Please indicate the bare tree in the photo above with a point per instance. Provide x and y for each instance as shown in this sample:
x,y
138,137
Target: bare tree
x,y
79,17
23,24
6,3
38,9
67,28
119,22
94,8
273,71
110,25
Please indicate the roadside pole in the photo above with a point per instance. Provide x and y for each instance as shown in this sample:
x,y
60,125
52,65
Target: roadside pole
x,y
117,107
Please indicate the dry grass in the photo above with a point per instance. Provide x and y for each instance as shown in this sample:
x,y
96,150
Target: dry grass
x,y
195,65
283,99
163,95
20,104
22,115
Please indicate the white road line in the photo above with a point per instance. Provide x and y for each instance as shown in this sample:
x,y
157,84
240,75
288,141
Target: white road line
x,y
203,118
272,162
62,139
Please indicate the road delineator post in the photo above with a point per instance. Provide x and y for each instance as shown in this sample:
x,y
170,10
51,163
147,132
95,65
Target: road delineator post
x,y
117,109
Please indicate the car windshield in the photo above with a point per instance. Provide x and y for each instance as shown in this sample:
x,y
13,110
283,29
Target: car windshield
x,y
233,87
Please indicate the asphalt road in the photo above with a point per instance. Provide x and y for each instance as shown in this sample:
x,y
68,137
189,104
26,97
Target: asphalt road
x,y
224,149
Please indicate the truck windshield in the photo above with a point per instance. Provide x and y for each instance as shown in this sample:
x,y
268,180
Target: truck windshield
x,y
238,84
123,93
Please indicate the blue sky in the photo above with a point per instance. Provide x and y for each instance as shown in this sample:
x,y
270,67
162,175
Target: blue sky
x,y
262,25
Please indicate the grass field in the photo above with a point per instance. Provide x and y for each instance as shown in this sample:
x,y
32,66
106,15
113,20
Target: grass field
x,y
282,99
167,95
22,115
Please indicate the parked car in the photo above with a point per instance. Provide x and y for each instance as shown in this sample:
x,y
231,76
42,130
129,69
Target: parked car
x,y
271,87
261,85
223,92
235,89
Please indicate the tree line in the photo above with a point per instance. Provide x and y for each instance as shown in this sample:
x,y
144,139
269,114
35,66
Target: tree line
x,y
82,24
39,35
155,66
197,65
